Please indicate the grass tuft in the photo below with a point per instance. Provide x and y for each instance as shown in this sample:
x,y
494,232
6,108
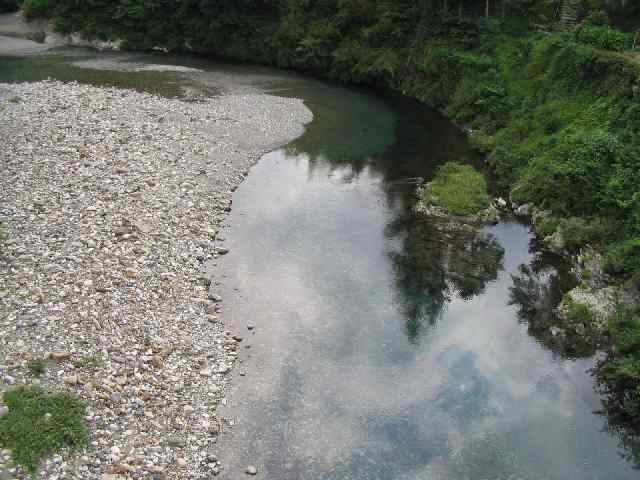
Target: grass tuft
x,y
458,188
39,423
37,366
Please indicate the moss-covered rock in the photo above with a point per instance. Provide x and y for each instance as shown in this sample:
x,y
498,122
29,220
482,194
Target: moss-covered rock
x,y
457,190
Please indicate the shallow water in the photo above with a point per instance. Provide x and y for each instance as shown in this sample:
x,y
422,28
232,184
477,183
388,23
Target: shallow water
x,y
385,347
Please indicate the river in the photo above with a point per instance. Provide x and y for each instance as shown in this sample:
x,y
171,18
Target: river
x,y
378,345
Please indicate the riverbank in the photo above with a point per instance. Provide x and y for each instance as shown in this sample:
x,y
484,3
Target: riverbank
x,y
111,201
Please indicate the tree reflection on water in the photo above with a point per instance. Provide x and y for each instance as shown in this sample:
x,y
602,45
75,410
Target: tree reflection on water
x,y
437,261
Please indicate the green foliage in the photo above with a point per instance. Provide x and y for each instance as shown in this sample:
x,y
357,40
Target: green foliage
x,y
38,8
89,361
8,6
547,225
37,366
569,175
578,313
578,232
623,258
39,423
620,372
458,188
604,37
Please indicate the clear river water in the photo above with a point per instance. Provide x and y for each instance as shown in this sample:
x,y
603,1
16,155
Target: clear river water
x,y
383,346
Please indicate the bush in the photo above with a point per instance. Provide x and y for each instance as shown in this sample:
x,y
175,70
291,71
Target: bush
x,y
8,6
578,232
39,423
623,258
569,176
547,225
37,366
458,188
603,37
38,8
619,373
578,313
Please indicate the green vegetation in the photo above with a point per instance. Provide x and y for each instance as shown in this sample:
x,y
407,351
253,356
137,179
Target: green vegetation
x,y
620,373
8,6
37,366
90,361
578,313
460,189
624,258
39,423
604,37
37,8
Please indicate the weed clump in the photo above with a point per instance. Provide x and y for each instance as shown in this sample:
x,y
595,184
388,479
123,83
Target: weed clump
x,y
458,188
39,423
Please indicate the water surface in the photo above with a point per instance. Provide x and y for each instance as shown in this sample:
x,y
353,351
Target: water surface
x,y
387,346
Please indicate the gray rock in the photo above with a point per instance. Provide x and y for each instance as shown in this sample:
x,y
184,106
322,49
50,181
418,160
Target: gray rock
x,y
176,442
555,242
524,210
251,470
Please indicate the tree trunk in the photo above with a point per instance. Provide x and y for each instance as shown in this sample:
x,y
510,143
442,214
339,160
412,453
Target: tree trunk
x,y
486,9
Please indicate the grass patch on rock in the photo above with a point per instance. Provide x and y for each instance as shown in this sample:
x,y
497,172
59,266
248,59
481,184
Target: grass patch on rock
x,y
458,188
39,423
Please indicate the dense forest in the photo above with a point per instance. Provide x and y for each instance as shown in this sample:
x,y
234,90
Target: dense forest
x,y
550,90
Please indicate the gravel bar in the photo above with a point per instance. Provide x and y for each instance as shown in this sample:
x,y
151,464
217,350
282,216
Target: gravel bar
x,y
110,202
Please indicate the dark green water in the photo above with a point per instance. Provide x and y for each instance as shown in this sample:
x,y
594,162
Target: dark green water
x,y
385,347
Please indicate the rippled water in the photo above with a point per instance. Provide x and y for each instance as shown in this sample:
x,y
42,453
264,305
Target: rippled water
x,y
385,346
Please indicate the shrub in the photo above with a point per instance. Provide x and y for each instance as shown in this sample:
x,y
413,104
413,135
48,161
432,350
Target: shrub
x,y
619,373
37,366
623,258
39,423
577,232
458,188
38,8
570,174
578,313
603,37
547,225
8,6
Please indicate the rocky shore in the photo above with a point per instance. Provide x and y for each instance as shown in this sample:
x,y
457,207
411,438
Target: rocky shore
x,y
110,202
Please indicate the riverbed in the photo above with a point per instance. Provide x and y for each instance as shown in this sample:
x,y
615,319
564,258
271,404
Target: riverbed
x,y
375,344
